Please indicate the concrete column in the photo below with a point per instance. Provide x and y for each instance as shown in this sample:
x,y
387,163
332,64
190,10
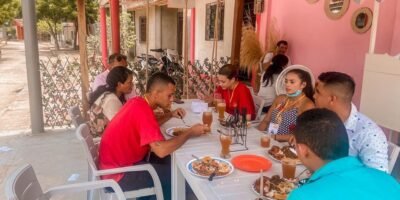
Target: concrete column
x,y
32,66
192,34
114,9
103,36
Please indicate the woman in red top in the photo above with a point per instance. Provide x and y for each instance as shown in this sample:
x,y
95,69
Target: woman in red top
x,y
235,93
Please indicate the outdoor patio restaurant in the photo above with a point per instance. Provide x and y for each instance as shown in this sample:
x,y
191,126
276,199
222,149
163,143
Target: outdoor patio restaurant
x,y
229,100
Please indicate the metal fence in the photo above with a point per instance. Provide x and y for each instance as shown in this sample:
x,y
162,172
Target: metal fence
x,y
61,83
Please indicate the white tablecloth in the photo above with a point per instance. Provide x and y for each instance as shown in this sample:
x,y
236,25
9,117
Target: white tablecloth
x,y
235,186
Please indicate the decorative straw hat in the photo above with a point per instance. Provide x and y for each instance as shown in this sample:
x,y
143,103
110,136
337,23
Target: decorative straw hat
x,y
280,82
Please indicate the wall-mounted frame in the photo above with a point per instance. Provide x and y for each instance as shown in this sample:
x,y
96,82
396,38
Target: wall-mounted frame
x,y
361,20
335,9
258,6
211,13
312,1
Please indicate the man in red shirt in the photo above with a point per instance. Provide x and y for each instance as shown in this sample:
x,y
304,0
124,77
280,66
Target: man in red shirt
x,y
134,132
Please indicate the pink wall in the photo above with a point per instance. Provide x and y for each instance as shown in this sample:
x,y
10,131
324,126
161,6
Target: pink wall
x,y
396,31
320,43
385,33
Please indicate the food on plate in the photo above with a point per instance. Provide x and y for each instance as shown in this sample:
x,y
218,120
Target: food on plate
x,y
178,131
281,153
275,187
207,165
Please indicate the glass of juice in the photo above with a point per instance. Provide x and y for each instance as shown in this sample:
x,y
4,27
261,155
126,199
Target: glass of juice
x,y
226,140
288,168
207,118
221,107
265,140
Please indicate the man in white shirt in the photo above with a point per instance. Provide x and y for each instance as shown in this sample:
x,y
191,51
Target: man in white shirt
x,y
334,91
114,60
281,48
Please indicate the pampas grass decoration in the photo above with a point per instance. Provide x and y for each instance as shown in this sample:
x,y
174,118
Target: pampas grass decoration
x,y
273,36
250,51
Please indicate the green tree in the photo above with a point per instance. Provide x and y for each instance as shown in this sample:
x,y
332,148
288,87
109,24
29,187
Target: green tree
x,y
54,12
8,10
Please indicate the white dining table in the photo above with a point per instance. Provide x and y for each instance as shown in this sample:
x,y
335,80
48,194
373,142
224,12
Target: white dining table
x,y
237,185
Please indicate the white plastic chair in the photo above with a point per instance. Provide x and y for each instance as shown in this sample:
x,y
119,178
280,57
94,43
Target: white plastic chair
x,y
259,103
393,153
251,90
76,116
92,155
24,185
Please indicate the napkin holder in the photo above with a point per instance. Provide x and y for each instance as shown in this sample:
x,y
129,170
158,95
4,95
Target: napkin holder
x,y
238,124
199,106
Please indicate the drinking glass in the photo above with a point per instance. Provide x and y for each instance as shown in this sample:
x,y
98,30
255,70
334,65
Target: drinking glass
x,y
226,140
207,118
288,168
265,140
221,107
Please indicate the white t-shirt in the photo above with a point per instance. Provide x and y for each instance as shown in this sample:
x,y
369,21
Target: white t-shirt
x,y
268,57
268,92
111,104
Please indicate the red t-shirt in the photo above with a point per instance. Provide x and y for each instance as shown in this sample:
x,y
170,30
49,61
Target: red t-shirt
x,y
127,137
240,96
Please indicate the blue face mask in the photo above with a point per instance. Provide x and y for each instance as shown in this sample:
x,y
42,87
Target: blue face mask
x,y
297,93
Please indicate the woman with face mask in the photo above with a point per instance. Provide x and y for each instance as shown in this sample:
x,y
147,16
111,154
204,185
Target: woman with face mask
x,y
281,118
233,92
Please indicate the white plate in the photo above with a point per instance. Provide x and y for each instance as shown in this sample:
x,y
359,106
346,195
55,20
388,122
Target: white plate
x,y
170,130
257,193
189,167
264,197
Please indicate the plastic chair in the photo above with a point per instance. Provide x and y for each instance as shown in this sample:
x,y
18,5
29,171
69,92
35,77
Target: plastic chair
x,y
92,155
76,116
259,105
251,90
24,185
393,153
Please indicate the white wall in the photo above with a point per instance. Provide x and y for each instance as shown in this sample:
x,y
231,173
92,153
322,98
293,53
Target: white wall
x,y
141,46
203,48
162,28
169,27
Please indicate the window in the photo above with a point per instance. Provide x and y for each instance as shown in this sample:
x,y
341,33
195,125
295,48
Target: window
x,y
211,13
142,29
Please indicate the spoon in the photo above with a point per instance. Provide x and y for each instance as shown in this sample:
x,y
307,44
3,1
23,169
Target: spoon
x,y
212,175
183,120
301,174
197,158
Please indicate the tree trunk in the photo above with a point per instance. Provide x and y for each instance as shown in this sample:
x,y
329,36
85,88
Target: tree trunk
x,y
53,34
76,35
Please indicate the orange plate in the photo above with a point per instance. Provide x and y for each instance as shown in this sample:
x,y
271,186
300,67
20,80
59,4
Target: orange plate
x,y
251,163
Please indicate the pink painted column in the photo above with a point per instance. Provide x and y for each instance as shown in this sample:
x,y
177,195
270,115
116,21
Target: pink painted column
x,y
192,35
258,24
114,9
103,36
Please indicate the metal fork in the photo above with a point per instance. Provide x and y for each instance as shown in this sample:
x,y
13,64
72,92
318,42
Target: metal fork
x,y
184,123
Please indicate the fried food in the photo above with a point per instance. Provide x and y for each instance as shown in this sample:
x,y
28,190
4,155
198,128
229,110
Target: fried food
x,y
206,166
275,187
178,131
281,153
